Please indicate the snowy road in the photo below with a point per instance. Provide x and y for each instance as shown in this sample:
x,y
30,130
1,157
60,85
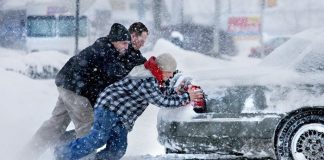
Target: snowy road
x,y
195,157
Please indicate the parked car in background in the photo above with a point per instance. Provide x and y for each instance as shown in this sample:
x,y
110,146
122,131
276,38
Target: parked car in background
x,y
198,38
273,109
267,47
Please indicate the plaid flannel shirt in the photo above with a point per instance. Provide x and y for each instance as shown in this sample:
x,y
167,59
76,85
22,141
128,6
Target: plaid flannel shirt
x,y
129,97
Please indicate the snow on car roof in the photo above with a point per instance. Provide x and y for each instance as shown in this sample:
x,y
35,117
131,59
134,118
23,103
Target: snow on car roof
x,y
301,54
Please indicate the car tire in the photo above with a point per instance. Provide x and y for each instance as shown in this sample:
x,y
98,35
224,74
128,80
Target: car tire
x,y
301,136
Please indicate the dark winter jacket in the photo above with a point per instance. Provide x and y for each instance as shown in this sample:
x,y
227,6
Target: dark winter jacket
x,y
129,97
95,67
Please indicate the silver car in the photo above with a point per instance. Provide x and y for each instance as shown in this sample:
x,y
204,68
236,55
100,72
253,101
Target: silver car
x,y
274,108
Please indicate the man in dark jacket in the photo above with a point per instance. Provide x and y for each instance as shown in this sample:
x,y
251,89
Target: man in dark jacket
x,y
81,80
120,104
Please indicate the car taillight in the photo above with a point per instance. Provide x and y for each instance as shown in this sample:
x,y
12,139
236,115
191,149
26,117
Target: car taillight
x,y
199,105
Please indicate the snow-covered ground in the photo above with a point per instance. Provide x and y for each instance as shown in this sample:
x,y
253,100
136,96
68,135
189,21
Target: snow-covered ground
x,y
27,103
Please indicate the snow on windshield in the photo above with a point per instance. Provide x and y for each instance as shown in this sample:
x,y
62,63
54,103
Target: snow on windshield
x,y
303,52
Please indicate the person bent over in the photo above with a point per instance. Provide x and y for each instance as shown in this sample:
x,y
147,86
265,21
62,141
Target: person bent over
x,y
120,104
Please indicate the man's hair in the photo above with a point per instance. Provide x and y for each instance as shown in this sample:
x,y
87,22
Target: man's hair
x,y
138,28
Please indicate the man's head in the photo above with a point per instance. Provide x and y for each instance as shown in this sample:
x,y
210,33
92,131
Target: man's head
x,y
119,37
167,64
139,34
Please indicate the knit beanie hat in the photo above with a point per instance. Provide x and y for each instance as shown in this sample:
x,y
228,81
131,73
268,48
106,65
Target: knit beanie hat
x,y
166,62
118,32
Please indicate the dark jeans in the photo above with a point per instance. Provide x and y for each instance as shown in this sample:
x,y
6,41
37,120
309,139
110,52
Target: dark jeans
x,y
106,129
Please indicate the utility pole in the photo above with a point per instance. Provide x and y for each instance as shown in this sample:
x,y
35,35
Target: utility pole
x,y
157,8
262,4
141,10
215,50
77,13
181,14
177,12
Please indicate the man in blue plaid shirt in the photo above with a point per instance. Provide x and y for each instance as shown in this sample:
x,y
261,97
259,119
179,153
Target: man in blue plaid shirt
x,y
120,104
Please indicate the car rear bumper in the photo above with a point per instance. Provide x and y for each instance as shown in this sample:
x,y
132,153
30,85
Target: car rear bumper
x,y
219,132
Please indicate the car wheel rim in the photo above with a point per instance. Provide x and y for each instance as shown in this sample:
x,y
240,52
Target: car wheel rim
x,y
308,142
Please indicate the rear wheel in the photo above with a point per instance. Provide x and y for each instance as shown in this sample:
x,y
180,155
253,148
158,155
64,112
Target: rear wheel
x,y
308,142
301,136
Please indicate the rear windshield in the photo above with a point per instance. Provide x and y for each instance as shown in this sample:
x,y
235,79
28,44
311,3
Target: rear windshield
x,y
312,62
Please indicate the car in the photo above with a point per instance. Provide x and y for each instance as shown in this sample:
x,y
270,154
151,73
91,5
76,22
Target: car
x,y
198,38
274,108
267,47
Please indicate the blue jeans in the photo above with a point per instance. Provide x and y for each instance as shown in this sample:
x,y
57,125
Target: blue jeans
x,y
106,129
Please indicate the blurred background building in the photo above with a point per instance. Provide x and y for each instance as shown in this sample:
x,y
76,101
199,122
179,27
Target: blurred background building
x,y
214,27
